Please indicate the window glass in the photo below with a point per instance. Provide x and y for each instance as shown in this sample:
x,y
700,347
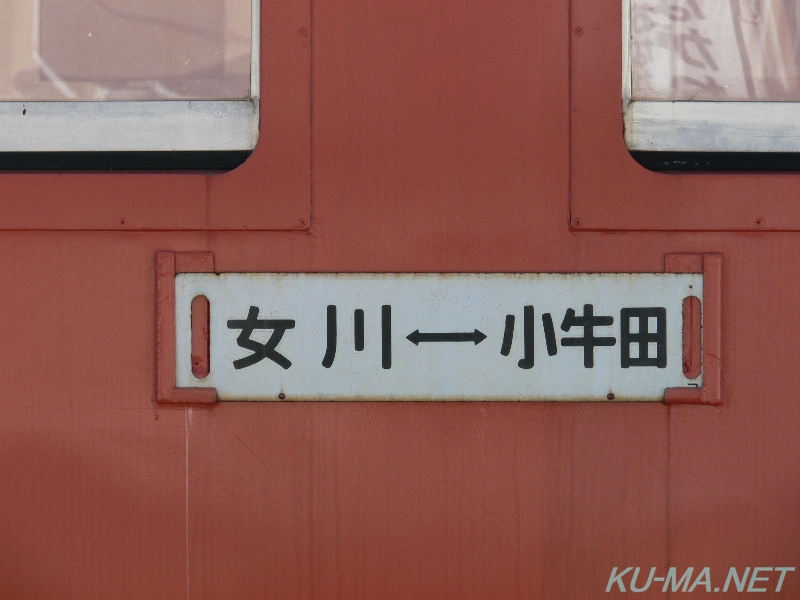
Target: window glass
x,y
720,50
120,50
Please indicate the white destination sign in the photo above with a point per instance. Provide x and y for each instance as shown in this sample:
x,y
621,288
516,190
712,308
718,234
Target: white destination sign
x,y
438,336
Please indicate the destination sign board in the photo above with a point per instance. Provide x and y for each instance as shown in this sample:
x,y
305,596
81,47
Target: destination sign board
x,y
334,336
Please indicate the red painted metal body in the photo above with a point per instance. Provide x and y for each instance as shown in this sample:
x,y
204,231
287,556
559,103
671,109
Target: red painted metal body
x,y
400,137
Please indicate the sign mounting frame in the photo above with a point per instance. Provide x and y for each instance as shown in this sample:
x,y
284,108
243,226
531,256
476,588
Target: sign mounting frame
x,y
696,349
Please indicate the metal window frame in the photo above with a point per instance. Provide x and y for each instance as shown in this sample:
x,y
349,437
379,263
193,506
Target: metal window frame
x,y
701,126
136,126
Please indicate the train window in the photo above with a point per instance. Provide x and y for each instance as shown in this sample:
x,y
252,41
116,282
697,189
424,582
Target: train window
x,y
712,85
103,84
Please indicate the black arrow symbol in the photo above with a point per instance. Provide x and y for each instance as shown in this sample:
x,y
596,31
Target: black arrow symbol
x,y
473,336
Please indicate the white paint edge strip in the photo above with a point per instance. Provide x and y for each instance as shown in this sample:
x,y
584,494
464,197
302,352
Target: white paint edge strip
x,y
627,74
255,52
156,125
713,126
